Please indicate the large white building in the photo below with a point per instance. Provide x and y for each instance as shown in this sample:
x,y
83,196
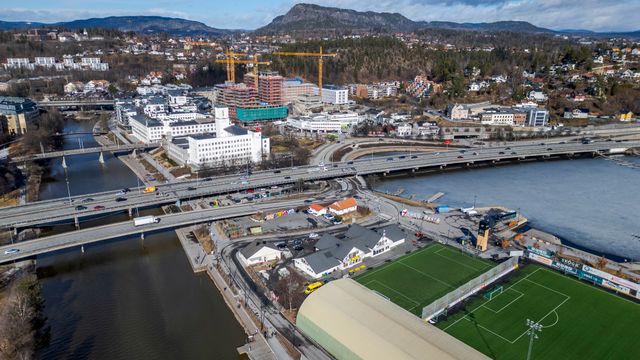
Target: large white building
x,y
333,254
333,122
226,144
334,95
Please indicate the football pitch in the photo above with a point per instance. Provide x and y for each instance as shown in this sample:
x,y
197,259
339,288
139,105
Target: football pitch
x,y
417,279
579,321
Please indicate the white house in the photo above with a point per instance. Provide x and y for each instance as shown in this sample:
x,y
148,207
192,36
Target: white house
x,y
359,243
537,96
260,252
344,206
317,209
403,130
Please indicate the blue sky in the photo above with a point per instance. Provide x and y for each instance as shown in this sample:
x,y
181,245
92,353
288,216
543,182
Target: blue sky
x,y
599,15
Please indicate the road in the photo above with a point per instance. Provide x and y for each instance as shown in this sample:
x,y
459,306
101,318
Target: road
x,y
89,150
62,209
100,233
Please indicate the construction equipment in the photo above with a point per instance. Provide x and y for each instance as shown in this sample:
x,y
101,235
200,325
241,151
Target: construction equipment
x,y
231,61
320,55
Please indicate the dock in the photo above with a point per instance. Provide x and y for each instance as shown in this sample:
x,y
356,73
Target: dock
x,y
435,197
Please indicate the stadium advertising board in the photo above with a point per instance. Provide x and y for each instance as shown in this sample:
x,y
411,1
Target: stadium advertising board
x,y
565,268
612,278
541,252
540,259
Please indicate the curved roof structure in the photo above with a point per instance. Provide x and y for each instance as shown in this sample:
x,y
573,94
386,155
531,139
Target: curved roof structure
x,y
352,322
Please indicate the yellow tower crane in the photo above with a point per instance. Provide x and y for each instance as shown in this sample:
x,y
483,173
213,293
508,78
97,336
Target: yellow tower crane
x,y
320,55
231,61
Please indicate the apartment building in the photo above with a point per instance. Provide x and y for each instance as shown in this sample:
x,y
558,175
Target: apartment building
x,y
335,95
19,112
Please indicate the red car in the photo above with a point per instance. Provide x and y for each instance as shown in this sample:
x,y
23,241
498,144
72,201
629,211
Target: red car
x,y
98,207
460,157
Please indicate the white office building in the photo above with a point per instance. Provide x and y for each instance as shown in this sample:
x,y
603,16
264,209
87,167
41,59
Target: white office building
x,y
334,95
334,122
230,144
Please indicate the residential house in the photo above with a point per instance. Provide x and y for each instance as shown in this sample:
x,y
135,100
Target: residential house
x,y
317,209
260,252
344,206
333,254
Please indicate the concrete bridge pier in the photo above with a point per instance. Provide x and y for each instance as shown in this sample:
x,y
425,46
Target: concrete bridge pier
x,y
101,158
64,162
82,249
76,221
130,213
141,236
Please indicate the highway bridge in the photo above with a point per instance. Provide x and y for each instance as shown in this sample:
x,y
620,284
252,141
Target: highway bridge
x,y
91,205
31,248
88,150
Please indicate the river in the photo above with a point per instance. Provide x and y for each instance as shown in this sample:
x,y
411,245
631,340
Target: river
x,y
126,298
591,203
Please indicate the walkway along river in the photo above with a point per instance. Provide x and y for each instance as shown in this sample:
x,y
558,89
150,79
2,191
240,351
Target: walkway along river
x,y
127,298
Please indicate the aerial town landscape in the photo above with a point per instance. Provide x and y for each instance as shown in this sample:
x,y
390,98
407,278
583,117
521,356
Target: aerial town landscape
x,y
408,180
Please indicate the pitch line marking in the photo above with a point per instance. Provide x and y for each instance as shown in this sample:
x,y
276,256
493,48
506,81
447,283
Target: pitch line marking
x,y
425,274
478,307
395,291
484,265
502,308
457,262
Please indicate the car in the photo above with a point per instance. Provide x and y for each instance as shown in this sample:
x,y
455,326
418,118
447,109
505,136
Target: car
x,y
336,221
463,151
313,235
281,245
307,201
335,165
120,193
126,190
207,179
542,144
402,157
460,157
87,200
277,172
121,199
414,156
297,242
475,153
321,164
98,207
11,251
81,207
549,149
501,153
514,153
563,142
350,163
381,139
287,177
389,159
298,247
507,148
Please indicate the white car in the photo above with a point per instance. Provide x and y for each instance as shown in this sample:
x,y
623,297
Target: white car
x,y
313,235
11,251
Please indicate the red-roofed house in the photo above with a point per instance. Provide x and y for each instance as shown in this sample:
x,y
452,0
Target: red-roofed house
x,y
343,206
317,209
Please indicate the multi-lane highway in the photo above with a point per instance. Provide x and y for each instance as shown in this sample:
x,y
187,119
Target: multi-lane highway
x,y
43,212
65,240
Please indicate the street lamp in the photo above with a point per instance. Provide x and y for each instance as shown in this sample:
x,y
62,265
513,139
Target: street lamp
x,y
534,328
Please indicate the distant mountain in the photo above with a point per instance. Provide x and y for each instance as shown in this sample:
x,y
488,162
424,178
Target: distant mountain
x,y
8,25
140,24
513,26
309,17
316,19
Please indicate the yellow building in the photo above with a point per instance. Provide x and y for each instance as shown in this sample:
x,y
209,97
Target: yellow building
x,y
19,112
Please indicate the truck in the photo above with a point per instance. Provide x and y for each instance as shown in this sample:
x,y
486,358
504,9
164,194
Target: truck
x,y
145,220
149,189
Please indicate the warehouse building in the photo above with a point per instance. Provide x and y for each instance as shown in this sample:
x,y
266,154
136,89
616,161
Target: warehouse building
x,y
352,322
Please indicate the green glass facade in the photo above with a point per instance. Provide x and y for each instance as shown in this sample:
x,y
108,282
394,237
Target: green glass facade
x,y
261,113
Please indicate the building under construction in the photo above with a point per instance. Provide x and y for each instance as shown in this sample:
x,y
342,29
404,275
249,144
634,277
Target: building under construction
x,y
246,103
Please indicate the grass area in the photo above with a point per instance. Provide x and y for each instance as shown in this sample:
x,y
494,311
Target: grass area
x,y
579,321
416,280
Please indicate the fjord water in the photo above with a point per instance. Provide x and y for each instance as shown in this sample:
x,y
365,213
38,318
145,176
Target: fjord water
x,y
592,203
126,298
